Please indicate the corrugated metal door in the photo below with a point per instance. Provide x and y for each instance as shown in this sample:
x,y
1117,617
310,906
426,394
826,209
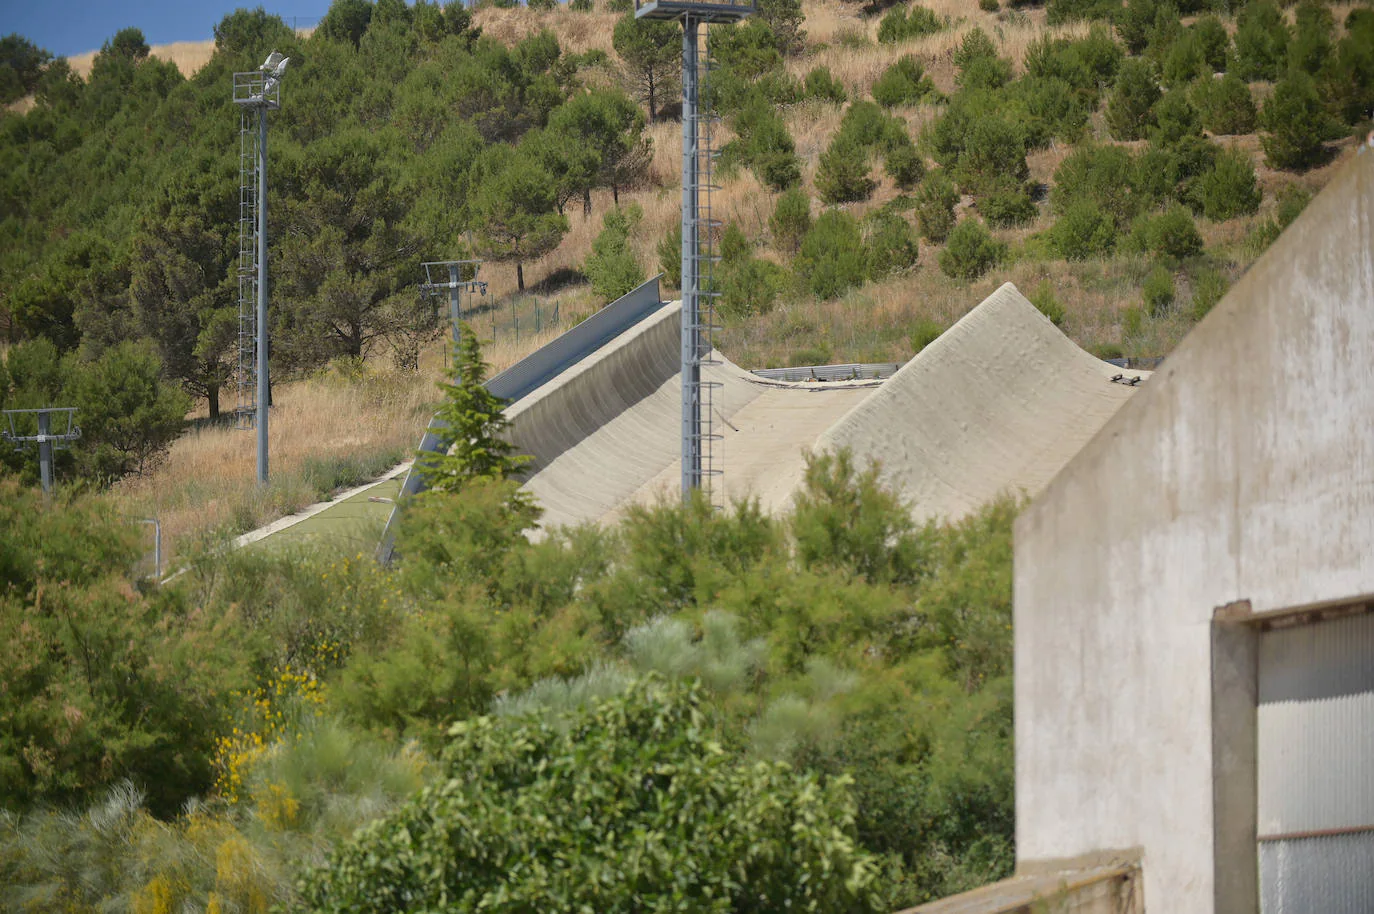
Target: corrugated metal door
x,y
1315,773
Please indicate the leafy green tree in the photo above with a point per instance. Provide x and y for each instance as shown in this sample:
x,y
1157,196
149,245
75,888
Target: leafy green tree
x,y
1134,21
470,444
821,84
1171,234
971,251
903,83
1229,189
784,19
127,43
346,20
128,415
348,253
765,145
843,175
1007,207
1261,41
21,64
1349,81
935,201
101,683
903,24
612,266
601,778
1224,105
1313,37
670,256
831,258
904,165
1214,42
602,134
1083,230
652,51
1158,291
890,243
1295,124
252,34
512,208
1175,119
791,220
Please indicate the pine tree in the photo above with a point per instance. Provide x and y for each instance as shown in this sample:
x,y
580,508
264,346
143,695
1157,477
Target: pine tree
x,y
470,443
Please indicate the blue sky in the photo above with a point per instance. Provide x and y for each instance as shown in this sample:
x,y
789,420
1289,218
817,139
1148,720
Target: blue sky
x,y
68,27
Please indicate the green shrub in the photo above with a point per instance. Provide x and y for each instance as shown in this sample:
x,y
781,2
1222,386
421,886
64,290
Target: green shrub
x,y
1175,119
995,155
1171,234
1043,298
1292,200
1349,81
978,63
765,145
890,242
1134,21
1131,103
1261,41
1185,61
901,25
670,256
831,259
1088,64
1104,175
569,791
1209,286
904,165
925,332
750,287
971,251
935,201
1214,41
1132,322
820,84
1312,45
1060,11
612,266
1229,189
1083,230
791,220
1224,105
843,175
1295,124
1158,291
989,6
903,83
1007,207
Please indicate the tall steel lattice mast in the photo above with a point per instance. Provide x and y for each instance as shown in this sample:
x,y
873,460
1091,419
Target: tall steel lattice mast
x,y
699,229
255,93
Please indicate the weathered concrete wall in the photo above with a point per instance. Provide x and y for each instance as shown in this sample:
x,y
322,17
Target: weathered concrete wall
x,y
1245,470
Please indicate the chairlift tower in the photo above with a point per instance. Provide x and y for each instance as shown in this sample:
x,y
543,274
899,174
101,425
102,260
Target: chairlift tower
x,y
46,439
455,277
698,227
256,93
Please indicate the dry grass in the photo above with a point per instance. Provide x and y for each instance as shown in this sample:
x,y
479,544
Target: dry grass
x,y
189,56
577,32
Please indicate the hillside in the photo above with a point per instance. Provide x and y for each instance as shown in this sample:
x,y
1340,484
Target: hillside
x,y
1099,160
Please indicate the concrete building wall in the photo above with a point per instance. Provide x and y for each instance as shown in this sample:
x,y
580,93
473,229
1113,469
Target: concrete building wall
x,y
1244,471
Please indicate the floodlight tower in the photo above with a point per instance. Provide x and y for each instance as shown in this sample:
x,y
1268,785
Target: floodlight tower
x,y
698,228
256,93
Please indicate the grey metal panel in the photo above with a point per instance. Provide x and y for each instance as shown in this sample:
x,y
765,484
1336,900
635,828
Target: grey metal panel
x,y
1315,753
1316,765
1327,875
848,372
537,369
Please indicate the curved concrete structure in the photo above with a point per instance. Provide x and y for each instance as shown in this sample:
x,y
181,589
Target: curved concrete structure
x,y
1000,402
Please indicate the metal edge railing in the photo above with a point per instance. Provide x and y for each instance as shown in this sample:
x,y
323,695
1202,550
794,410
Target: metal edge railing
x,y
848,372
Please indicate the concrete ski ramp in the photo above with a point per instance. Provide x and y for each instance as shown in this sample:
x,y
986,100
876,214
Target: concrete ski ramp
x,y
999,403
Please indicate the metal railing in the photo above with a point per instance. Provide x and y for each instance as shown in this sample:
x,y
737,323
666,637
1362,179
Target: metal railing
x,y
849,372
